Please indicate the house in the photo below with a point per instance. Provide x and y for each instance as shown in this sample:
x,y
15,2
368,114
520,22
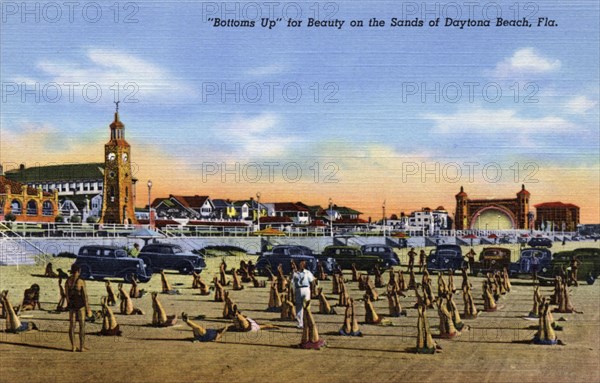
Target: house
x,y
297,213
429,220
248,209
223,209
557,216
176,206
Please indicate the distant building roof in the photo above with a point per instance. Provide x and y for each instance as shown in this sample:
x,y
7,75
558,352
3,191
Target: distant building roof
x,y
556,204
191,202
16,187
345,210
54,173
288,206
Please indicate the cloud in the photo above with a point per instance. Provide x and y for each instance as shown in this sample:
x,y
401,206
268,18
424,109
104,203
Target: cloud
x,y
136,77
483,121
266,70
580,105
255,137
526,61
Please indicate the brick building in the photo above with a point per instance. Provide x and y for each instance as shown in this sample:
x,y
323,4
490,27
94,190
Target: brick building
x,y
557,216
27,203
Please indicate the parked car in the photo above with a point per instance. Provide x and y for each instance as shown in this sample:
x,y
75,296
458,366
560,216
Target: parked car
x,y
99,262
167,256
345,256
445,257
523,265
386,253
540,242
285,254
589,259
493,258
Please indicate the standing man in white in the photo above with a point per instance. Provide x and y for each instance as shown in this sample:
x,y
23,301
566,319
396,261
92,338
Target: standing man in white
x,y
302,280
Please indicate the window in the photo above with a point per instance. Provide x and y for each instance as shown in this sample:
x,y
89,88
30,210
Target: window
x,y
47,208
15,207
32,208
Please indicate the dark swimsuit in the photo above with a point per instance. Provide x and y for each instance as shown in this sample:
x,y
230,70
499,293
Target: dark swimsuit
x,y
76,299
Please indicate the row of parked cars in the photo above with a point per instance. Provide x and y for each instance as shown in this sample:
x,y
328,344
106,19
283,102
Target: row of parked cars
x,y
446,257
99,262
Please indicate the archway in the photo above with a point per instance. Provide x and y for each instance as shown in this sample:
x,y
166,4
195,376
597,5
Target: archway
x,y
493,218
32,207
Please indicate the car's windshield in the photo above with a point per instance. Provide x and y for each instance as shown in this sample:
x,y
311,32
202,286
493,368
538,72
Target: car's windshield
x,y
177,249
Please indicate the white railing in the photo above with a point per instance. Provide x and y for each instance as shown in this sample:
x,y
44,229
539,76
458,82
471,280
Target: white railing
x,y
14,247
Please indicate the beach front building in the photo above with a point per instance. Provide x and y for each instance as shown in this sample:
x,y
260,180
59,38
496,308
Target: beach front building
x,y
557,216
176,206
79,186
26,203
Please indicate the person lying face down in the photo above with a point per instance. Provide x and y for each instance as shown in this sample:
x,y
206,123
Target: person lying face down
x,y
159,315
126,306
202,334
110,327
166,286
13,323
350,326
111,298
31,299
49,272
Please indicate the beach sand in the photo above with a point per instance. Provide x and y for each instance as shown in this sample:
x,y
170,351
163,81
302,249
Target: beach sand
x,y
494,349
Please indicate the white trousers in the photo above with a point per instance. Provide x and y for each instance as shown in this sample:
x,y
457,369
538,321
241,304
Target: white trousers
x,y
302,295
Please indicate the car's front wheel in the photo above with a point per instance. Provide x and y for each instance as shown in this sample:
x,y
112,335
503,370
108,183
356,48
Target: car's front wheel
x,y
186,268
86,272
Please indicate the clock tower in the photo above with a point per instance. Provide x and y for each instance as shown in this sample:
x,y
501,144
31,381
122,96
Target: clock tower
x,y
117,204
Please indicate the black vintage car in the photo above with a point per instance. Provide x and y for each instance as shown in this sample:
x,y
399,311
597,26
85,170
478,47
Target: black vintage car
x,y
285,254
445,257
99,262
167,256
345,256
386,253
589,264
493,259
524,264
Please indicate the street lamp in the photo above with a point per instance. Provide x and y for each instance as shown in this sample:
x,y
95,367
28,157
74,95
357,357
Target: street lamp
x,y
331,217
149,203
383,220
258,209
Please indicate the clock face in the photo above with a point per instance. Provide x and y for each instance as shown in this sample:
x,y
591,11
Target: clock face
x,y
125,157
111,156
112,174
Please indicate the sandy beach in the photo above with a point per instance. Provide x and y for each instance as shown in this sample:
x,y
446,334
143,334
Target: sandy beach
x,y
495,348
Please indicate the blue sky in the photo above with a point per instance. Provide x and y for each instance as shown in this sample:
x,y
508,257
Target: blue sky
x,y
171,54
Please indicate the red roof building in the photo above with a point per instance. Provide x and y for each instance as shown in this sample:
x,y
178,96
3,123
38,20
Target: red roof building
x,y
562,216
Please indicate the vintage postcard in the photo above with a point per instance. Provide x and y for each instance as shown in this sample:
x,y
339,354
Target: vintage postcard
x,y
336,191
